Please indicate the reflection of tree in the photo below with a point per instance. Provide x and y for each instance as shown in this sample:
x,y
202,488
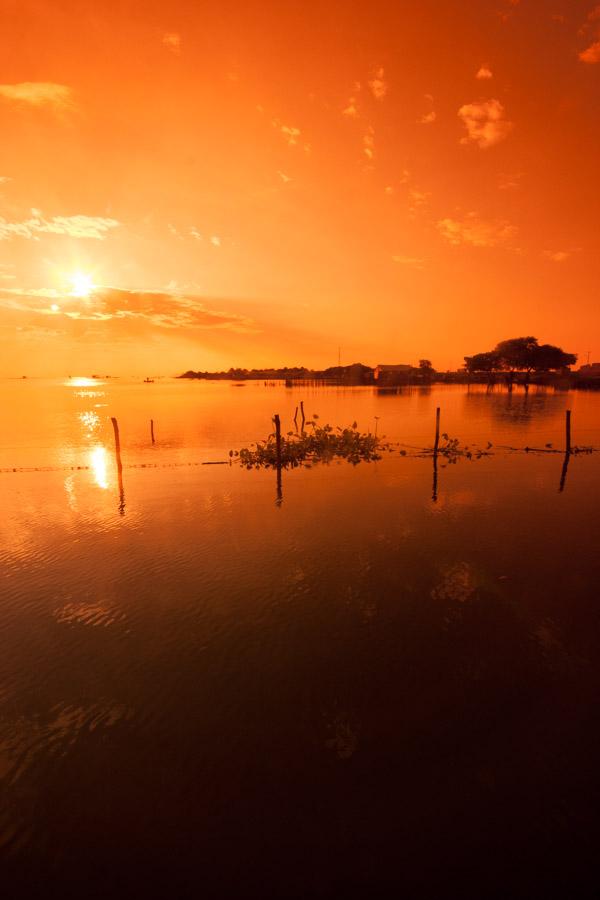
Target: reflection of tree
x,y
518,409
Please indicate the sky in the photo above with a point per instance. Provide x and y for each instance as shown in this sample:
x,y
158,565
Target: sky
x,y
205,185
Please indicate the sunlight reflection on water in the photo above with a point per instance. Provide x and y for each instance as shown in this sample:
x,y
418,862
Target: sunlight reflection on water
x,y
202,658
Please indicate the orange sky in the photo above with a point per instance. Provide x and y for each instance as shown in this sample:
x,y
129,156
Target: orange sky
x,y
255,183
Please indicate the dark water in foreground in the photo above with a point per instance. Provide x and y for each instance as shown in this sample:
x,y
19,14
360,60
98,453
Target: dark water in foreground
x,y
357,692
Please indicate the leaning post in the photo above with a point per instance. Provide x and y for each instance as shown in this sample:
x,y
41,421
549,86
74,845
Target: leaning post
x,y
437,430
277,438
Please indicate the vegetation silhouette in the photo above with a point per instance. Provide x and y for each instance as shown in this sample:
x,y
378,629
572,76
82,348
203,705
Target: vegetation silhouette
x,y
522,355
318,443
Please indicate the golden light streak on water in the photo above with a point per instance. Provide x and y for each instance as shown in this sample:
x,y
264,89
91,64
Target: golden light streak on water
x,y
99,467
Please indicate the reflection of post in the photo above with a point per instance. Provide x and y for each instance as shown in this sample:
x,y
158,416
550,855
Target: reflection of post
x,y
296,418
437,430
302,413
568,451
563,474
434,494
278,452
152,429
115,426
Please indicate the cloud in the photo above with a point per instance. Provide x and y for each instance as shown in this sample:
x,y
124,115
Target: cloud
x,y
378,84
215,240
417,201
4,179
485,123
74,226
172,41
559,256
369,143
290,133
351,110
127,311
428,118
412,261
58,97
484,73
509,181
285,178
591,54
475,231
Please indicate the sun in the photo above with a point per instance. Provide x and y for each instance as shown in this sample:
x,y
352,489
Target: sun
x,y
82,284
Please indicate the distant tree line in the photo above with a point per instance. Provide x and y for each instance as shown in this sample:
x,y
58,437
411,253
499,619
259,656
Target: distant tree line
x,y
520,356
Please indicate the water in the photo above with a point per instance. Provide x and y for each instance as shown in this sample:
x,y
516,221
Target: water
x,y
357,688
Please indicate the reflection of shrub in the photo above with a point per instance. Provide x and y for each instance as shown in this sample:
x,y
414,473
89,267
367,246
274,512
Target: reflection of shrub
x,y
451,449
319,443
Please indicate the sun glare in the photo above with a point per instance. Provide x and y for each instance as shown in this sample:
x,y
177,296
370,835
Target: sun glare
x,y
82,285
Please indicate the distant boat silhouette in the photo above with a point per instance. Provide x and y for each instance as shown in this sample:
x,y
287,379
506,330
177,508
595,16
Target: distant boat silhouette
x,y
148,380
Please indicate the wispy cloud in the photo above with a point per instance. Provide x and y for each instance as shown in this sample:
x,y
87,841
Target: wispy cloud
x,y
414,262
485,122
591,54
475,231
509,181
429,116
289,132
560,256
58,97
172,41
6,272
378,85
484,73
129,310
417,201
74,226
369,143
351,109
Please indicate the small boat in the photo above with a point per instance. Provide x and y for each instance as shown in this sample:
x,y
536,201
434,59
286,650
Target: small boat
x,y
148,380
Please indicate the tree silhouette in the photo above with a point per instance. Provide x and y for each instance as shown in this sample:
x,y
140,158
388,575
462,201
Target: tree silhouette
x,y
522,354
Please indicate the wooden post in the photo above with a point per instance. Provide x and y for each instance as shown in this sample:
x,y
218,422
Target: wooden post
x,y
115,426
302,413
277,438
568,432
296,417
152,429
277,421
437,430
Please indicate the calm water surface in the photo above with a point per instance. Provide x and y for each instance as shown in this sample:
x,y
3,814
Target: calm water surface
x,y
355,689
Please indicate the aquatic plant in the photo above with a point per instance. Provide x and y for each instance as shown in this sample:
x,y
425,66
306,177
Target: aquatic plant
x,y
452,450
315,443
